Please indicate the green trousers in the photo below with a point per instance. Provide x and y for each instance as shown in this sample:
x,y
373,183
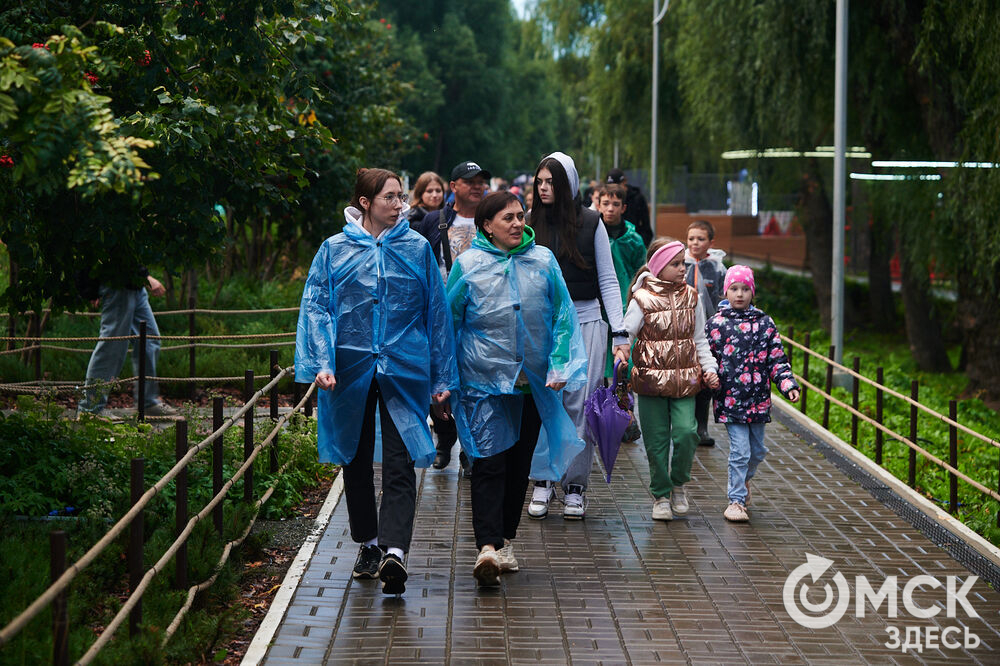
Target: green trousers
x,y
664,420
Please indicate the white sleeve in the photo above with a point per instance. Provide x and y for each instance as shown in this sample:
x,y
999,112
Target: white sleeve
x,y
634,317
705,358
607,280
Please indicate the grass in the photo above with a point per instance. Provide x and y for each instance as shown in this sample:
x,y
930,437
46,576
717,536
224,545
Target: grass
x,y
89,482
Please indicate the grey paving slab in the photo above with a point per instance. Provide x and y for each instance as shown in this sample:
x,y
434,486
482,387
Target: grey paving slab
x,y
618,588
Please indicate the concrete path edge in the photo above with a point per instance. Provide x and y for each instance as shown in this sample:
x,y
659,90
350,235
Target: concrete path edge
x,y
933,511
276,613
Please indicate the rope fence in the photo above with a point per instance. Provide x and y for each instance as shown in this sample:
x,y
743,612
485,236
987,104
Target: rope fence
x,y
164,313
55,593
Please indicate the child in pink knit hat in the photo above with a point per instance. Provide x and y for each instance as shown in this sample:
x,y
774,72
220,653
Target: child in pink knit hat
x,y
747,346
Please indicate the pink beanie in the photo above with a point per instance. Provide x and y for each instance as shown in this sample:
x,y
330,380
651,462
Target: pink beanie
x,y
740,273
663,256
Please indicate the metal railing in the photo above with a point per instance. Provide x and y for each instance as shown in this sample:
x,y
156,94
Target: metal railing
x,y
139,580
915,407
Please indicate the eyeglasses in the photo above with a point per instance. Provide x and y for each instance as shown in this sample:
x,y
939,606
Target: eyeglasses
x,y
401,197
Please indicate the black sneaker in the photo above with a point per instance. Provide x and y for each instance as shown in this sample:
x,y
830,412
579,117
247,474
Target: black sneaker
x,y
466,465
442,459
704,439
392,573
366,565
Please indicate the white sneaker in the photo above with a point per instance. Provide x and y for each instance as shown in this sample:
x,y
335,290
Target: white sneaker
x,y
679,501
661,509
508,563
540,498
575,503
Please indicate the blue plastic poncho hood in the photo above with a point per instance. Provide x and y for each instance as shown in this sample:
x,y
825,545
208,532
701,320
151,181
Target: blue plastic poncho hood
x,y
515,329
375,307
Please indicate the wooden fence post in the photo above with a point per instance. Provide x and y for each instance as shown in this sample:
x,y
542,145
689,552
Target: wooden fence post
x,y
248,436
217,462
135,536
828,389
181,506
60,617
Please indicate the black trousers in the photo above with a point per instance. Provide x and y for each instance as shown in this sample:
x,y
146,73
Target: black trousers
x,y
393,523
499,483
447,433
702,405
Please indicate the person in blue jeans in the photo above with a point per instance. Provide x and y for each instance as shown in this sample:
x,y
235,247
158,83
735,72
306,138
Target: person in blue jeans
x,y
122,310
747,346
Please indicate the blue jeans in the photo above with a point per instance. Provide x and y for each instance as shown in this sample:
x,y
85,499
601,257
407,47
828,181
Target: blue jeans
x,y
746,450
121,312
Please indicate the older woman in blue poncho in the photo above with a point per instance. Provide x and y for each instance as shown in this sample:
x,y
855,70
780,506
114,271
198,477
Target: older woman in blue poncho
x,y
518,345
374,322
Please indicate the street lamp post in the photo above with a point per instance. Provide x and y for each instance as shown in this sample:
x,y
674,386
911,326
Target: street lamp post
x,y
658,14
839,174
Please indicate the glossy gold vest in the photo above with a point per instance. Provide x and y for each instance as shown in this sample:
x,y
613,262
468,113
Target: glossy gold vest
x,y
665,358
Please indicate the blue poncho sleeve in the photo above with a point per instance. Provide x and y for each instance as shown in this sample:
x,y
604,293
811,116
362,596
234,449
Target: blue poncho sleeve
x,y
440,334
316,331
568,358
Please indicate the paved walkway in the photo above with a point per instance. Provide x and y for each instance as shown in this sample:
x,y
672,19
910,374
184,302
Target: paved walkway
x,y
618,588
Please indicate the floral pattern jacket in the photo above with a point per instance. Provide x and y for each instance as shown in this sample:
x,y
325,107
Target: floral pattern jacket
x,y
748,348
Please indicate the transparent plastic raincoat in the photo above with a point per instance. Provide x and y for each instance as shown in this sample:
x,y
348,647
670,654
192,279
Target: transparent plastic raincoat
x,y
375,308
515,329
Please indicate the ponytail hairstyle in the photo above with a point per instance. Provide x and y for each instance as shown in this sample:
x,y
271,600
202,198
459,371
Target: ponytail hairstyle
x,y
657,243
556,225
369,183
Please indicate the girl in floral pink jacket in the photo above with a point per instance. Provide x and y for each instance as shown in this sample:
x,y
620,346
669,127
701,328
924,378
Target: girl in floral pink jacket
x,y
747,346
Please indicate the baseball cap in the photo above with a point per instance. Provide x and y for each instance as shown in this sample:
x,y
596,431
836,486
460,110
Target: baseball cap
x,y
469,170
616,176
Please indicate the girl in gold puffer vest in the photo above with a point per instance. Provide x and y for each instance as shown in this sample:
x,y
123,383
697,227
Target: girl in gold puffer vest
x,y
671,361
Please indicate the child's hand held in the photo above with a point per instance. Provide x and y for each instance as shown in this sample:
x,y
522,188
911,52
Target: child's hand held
x,y
712,379
793,395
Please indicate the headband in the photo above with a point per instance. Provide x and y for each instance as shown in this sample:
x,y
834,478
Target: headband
x,y
663,256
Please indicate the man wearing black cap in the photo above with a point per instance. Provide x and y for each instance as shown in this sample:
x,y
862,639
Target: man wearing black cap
x,y
635,205
450,232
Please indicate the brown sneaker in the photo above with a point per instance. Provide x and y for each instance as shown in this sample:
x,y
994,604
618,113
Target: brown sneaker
x,y
736,513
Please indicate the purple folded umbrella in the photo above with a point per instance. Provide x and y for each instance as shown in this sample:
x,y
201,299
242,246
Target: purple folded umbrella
x,y
608,415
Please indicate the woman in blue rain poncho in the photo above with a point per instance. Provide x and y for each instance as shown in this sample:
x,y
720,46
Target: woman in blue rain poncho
x,y
518,345
374,322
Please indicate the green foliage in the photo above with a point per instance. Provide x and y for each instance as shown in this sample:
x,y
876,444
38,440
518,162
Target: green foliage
x,y
226,99
85,465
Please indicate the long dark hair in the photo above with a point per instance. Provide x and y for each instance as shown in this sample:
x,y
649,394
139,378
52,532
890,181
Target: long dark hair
x,y
557,224
493,204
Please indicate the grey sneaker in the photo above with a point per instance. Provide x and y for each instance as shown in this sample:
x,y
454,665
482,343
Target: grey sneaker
x,y
505,556
661,509
679,501
575,503
540,497
161,409
487,569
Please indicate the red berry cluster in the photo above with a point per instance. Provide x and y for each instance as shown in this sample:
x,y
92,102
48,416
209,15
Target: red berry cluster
x,y
92,78
39,45
388,26
6,161
145,58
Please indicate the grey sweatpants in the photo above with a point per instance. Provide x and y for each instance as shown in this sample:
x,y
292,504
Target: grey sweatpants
x,y
595,341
